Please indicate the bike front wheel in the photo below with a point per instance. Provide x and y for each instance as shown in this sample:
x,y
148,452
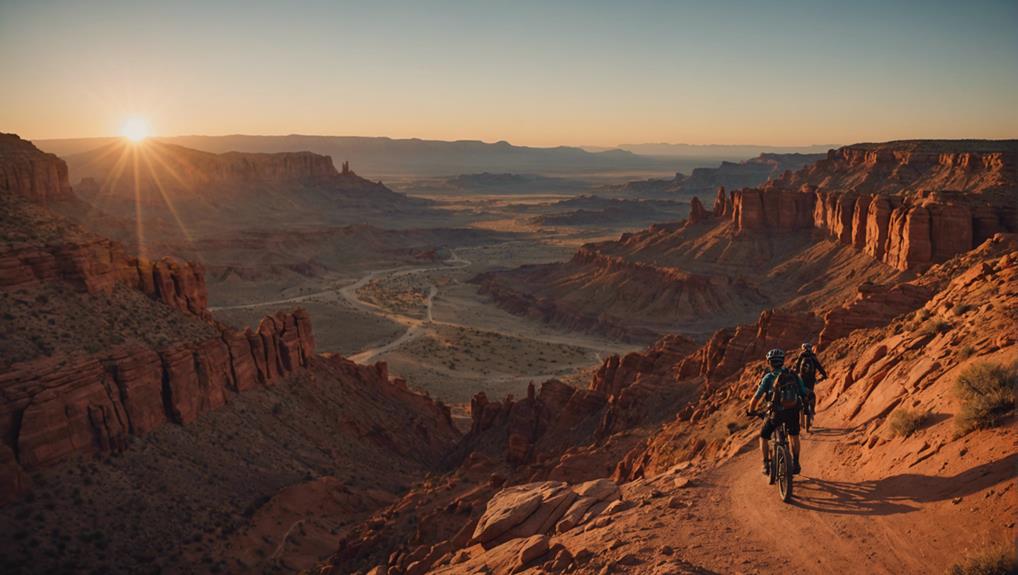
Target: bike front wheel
x,y
783,465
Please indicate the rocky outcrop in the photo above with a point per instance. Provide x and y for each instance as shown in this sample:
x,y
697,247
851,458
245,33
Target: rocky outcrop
x,y
542,508
97,265
874,305
526,421
980,167
697,213
730,349
759,209
27,171
907,204
906,233
723,201
55,407
620,372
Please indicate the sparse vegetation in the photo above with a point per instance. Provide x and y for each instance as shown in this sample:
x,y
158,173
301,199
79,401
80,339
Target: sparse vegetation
x,y
962,309
994,560
904,422
987,393
934,327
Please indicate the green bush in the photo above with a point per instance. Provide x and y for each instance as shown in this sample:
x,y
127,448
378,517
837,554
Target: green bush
x,y
987,393
905,422
995,560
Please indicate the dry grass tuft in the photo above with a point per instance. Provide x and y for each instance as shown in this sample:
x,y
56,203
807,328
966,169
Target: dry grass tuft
x,y
995,560
987,391
905,422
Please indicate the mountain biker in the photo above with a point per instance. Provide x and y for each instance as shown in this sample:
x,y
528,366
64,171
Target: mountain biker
x,y
786,393
807,364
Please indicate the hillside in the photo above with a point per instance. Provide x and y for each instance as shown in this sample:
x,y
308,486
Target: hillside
x,y
140,433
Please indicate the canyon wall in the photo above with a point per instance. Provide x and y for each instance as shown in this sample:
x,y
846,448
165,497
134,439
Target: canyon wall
x,y
26,171
907,204
97,265
54,407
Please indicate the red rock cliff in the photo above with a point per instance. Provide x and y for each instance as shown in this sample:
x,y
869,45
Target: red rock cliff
x,y
26,170
889,200
57,406
99,264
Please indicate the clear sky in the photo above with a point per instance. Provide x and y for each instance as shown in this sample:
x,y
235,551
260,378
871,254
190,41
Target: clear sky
x,y
538,73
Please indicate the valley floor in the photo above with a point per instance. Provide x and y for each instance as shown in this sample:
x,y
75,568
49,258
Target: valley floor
x,y
433,328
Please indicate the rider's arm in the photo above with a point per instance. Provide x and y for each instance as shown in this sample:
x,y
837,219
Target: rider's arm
x,y
761,390
820,368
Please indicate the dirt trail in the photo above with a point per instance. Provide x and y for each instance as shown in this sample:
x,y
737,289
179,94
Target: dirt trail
x,y
832,525
843,519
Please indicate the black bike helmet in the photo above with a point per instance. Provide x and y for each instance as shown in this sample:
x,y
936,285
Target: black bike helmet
x,y
807,347
776,356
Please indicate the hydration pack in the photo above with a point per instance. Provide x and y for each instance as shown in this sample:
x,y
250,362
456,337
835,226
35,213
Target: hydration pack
x,y
807,368
786,390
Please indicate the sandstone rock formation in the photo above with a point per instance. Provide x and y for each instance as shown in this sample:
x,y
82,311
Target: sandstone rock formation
x,y
542,508
98,265
27,171
58,406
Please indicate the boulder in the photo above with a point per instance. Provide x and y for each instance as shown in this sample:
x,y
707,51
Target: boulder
x,y
511,506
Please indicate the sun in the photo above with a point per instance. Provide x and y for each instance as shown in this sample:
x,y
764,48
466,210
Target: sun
x,y
135,129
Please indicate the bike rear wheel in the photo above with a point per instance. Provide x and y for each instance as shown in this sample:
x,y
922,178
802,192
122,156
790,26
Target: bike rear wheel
x,y
783,470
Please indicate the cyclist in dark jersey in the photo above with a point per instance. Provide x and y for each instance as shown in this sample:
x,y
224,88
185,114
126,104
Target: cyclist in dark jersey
x,y
782,411
807,365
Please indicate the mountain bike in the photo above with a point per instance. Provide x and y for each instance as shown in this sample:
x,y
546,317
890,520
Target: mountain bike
x,y
782,466
809,408
806,414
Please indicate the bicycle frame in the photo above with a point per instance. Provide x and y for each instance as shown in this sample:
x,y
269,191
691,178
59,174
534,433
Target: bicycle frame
x,y
781,462
780,467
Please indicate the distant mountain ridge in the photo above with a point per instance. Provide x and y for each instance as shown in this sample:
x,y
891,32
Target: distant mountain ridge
x,y
752,172
728,151
382,156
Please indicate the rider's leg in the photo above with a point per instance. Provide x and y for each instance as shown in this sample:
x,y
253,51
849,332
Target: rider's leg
x,y
765,437
793,438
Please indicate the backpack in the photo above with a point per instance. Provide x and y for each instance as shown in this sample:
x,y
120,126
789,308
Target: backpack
x,y
807,367
785,390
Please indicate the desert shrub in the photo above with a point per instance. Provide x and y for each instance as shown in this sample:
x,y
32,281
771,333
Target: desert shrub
x,y
962,309
905,422
966,352
994,560
934,327
987,393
